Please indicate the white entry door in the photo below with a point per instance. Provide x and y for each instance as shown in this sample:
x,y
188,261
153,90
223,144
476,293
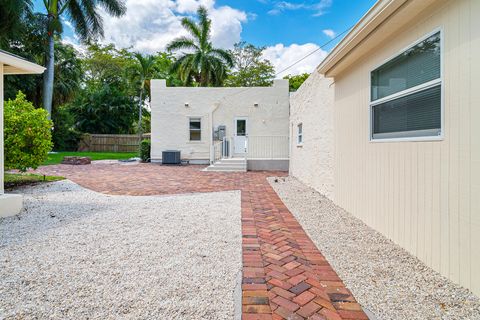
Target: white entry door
x,y
240,135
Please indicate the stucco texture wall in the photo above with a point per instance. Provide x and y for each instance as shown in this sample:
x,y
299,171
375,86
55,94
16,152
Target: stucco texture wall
x,y
215,106
423,195
312,161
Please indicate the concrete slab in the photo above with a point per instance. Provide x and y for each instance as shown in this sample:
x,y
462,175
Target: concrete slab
x,y
10,204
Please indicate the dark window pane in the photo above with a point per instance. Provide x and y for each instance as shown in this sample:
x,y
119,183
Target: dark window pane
x,y
415,112
241,127
195,124
195,135
417,65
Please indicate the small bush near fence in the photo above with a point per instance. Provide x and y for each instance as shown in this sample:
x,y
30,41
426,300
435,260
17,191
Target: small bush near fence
x,y
145,150
64,136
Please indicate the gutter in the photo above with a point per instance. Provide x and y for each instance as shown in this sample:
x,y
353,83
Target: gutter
x,y
215,107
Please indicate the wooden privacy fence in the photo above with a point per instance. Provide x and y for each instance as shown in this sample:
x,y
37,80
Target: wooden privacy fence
x,y
110,142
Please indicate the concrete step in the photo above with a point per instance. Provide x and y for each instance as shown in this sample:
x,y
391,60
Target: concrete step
x,y
233,165
224,169
231,161
229,165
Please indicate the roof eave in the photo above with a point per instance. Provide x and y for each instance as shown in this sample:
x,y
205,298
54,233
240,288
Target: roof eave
x,y
16,65
380,11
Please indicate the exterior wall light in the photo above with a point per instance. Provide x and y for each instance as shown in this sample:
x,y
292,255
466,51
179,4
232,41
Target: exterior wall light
x,y
255,104
187,105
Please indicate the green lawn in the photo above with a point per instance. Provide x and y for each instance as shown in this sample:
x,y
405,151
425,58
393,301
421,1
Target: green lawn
x,y
14,180
56,158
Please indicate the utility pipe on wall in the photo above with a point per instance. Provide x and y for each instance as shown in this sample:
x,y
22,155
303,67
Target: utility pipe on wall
x,y
212,150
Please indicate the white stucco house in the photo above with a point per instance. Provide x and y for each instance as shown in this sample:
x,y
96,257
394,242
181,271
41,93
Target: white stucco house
x,y
11,204
229,128
388,127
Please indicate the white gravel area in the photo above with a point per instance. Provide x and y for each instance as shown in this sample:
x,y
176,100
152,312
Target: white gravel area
x,y
384,278
76,254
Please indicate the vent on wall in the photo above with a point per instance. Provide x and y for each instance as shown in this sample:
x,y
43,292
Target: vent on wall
x,y
171,157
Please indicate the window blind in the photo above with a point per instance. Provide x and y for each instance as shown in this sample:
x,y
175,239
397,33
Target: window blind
x,y
415,66
418,114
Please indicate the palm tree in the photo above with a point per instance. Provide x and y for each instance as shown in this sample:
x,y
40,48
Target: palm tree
x,y
87,22
145,71
204,64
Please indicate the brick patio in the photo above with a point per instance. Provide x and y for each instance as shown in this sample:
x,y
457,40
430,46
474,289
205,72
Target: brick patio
x,y
284,275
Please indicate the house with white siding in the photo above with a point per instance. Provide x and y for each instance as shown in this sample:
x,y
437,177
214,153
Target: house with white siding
x,y
230,128
11,204
388,128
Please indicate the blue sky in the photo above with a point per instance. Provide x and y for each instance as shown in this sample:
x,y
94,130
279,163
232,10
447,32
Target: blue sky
x,y
300,25
289,29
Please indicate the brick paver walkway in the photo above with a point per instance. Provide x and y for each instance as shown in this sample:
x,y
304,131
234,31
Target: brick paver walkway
x,y
284,275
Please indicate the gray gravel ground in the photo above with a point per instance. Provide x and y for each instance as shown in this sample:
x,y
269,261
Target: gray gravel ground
x,y
383,277
76,254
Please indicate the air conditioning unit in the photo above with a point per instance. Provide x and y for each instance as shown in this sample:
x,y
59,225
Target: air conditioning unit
x,y
171,157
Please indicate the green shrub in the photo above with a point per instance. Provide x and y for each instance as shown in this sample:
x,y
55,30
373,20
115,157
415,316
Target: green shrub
x,y
28,136
105,109
145,150
65,136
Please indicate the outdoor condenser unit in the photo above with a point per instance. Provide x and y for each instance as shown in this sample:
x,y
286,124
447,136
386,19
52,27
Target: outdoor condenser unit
x,y
171,157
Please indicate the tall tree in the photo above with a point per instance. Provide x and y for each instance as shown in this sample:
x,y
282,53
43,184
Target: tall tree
x,y
251,70
31,46
203,63
145,71
13,14
87,22
296,81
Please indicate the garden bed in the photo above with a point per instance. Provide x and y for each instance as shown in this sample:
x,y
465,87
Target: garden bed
x,y
56,158
15,180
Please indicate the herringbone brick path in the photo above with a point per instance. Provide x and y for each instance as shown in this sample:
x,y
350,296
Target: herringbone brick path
x,y
284,275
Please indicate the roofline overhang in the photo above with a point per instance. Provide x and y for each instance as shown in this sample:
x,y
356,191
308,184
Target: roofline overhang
x,y
379,13
16,65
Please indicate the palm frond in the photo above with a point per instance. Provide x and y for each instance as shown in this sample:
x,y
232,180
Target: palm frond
x,y
78,19
115,8
205,25
225,55
182,43
86,19
206,65
191,27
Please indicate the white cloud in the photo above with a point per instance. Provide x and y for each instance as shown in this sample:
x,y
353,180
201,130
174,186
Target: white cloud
x,y
321,7
74,43
149,25
318,7
329,33
283,56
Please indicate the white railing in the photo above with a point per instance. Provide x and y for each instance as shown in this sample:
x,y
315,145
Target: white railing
x,y
227,147
257,147
267,147
217,151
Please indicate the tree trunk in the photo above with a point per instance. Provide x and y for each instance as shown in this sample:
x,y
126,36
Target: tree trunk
x,y
140,109
48,76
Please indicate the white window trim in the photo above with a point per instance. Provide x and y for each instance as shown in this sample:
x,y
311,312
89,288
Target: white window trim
x,y
300,134
409,91
189,130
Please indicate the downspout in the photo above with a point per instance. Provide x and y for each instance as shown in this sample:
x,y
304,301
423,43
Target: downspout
x,y
212,155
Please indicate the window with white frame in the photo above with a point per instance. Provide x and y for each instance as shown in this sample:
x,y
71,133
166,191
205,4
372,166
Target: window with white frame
x,y
300,133
406,93
195,129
